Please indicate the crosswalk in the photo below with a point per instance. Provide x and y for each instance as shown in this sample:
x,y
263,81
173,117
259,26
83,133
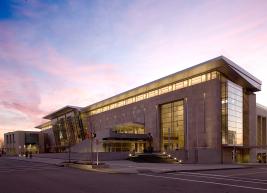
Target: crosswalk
x,y
8,165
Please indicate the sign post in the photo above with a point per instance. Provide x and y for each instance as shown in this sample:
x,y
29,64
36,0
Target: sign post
x,y
97,142
91,136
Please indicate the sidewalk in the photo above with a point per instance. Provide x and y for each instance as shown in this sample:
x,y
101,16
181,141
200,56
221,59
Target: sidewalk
x,y
57,162
129,167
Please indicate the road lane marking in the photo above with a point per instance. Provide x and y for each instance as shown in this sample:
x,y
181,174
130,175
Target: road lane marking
x,y
206,174
220,178
205,182
248,174
203,174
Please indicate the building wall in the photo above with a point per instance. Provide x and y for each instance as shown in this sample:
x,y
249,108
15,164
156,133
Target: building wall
x,y
46,140
204,118
258,135
13,145
16,146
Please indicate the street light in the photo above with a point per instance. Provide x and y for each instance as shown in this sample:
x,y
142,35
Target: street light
x,y
19,151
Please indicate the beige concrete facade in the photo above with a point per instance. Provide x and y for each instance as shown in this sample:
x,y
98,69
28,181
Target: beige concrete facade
x,y
203,132
208,135
258,150
20,142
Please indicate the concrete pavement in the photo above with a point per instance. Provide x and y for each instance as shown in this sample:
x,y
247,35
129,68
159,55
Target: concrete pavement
x,y
18,176
125,166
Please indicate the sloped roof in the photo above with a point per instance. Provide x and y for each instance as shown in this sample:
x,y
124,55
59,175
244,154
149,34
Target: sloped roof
x,y
62,111
222,64
45,124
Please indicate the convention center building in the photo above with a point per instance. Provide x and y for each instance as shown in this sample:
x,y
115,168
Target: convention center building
x,y
205,114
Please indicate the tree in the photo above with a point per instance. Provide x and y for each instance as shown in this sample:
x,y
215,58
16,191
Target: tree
x,y
1,145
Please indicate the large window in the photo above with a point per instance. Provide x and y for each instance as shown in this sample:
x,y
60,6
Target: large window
x,y
232,113
172,125
68,129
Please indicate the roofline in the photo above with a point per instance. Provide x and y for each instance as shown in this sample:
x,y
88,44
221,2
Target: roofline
x,y
222,58
26,131
40,125
65,107
240,69
261,106
154,81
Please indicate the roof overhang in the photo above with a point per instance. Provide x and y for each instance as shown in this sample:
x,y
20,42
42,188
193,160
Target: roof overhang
x,y
46,124
221,64
62,111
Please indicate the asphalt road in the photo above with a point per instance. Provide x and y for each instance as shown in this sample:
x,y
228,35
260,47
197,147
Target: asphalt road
x,y
29,177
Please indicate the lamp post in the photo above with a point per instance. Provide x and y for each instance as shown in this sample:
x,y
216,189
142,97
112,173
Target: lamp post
x,y
24,149
19,151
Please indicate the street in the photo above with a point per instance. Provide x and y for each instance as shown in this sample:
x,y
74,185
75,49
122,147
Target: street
x,y
28,177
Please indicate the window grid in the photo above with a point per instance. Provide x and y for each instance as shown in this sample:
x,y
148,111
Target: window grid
x,y
232,113
172,125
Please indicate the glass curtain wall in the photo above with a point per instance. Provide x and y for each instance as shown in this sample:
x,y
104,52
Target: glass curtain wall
x,y
172,125
68,130
232,113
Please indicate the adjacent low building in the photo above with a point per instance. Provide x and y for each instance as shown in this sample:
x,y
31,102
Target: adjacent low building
x,y
203,114
21,142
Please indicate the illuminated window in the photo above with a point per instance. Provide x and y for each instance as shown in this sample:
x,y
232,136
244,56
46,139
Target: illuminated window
x,y
121,103
179,85
153,93
185,83
106,108
214,75
208,76
140,97
129,101
203,78
232,113
166,89
196,80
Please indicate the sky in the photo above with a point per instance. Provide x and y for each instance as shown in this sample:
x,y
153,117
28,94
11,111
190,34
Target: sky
x,y
76,52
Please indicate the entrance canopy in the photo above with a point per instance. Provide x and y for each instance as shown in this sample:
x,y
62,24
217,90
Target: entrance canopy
x,y
127,131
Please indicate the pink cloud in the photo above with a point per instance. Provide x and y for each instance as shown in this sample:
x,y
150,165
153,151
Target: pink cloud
x,y
28,96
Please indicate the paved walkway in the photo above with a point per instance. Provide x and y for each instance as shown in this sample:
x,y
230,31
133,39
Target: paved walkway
x,y
39,160
124,166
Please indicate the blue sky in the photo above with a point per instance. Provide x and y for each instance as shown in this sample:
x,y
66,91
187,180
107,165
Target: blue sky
x,y
54,53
